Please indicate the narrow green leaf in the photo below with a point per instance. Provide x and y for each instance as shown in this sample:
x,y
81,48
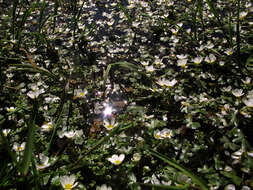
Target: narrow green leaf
x,y
58,122
24,18
154,186
30,68
213,10
42,9
107,73
7,146
125,12
237,180
122,64
194,178
30,142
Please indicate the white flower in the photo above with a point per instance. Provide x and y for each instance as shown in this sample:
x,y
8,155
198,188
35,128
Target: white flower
x,y
80,93
47,126
209,45
43,162
250,153
182,56
210,59
144,63
246,188
230,187
109,125
172,83
166,133
197,60
6,131
164,82
158,134
248,5
237,92
237,156
227,89
247,81
248,102
116,160
68,182
69,134
104,187
150,68
174,31
159,63
19,147
10,109
243,15
136,157
35,91
182,63
111,22
229,51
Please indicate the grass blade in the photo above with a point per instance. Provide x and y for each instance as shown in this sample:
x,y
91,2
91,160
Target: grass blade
x,y
24,18
30,68
43,7
212,9
122,64
14,16
194,178
98,143
7,146
30,142
122,8
58,121
56,6
154,186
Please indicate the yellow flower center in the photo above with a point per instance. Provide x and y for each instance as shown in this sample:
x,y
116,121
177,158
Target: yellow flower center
x,y
109,126
20,148
68,186
184,103
157,136
117,162
81,94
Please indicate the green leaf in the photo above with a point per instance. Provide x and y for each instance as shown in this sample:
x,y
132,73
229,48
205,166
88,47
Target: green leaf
x,y
122,64
196,125
30,68
236,180
125,12
194,178
30,142
154,186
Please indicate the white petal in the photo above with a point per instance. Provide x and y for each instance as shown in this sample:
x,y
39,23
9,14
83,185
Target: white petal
x,y
121,157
